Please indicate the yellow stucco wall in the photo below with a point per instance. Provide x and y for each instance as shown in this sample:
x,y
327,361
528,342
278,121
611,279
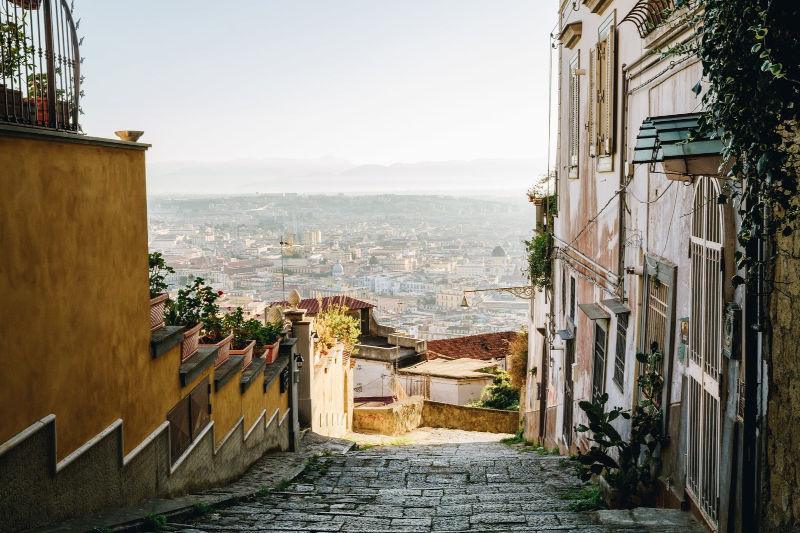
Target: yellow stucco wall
x,y
226,407
253,402
73,275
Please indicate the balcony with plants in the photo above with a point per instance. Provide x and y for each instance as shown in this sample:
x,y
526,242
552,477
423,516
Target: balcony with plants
x,y
40,79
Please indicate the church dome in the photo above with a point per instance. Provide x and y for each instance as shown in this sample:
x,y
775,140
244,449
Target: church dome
x,y
337,269
498,252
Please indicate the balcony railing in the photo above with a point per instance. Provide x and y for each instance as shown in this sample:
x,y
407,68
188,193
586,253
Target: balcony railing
x,y
39,64
648,15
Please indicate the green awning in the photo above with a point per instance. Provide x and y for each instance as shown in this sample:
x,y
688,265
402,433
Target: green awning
x,y
674,137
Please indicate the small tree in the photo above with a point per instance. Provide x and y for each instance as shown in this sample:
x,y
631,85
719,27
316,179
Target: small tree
x,y
501,394
518,359
335,325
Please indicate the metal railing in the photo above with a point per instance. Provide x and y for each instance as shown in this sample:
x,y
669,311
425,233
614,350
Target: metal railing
x,y
39,64
648,15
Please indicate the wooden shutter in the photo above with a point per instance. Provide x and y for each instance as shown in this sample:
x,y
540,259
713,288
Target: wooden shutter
x,y
591,137
609,88
599,370
574,116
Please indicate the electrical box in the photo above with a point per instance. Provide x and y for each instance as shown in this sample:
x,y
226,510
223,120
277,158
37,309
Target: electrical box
x,y
732,331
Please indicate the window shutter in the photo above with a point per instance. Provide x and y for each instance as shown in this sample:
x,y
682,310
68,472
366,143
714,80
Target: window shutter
x,y
574,117
591,137
610,78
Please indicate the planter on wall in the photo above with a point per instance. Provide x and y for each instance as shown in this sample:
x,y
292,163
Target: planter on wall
x,y
157,305
43,112
271,352
247,352
191,342
224,350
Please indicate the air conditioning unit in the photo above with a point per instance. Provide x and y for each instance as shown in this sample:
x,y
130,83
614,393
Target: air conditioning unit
x,y
732,331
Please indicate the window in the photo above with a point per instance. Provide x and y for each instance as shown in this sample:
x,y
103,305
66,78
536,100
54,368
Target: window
x,y
602,95
563,290
599,370
574,115
619,355
572,298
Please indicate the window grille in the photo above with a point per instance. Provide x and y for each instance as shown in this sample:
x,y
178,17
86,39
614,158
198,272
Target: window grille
x,y
569,358
705,349
599,370
619,355
572,298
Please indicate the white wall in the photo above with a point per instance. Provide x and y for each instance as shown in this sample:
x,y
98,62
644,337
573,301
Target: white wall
x,y
373,377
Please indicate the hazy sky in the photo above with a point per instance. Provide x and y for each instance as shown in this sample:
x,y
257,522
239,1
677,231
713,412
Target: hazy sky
x,y
372,81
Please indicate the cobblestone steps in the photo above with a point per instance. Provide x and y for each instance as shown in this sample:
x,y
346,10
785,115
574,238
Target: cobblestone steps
x,y
449,487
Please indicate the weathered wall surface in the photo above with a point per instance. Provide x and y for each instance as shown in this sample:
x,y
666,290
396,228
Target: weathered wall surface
x,y
393,419
782,505
443,415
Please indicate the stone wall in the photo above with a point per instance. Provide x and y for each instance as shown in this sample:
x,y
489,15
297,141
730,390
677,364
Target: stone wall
x,y
782,506
443,415
393,419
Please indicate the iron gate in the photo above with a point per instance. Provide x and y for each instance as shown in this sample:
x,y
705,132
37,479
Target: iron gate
x,y
705,346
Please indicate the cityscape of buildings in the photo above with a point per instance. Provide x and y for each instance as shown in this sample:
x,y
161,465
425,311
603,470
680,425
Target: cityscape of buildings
x,y
411,256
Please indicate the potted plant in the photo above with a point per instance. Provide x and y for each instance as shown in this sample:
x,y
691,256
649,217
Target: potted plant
x,y
187,311
268,338
213,329
37,95
158,289
626,469
242,343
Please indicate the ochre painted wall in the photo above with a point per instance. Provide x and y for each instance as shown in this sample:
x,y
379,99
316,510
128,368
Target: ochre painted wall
x,y
73,275
226,407
253,403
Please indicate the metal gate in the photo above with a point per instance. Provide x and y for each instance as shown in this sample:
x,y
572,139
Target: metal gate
x,y
705,346
569,358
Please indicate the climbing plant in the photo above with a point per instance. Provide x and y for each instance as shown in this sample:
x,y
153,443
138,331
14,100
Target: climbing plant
x,y
750,52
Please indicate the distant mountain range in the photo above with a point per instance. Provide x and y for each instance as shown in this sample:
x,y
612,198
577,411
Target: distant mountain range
x,y
330,174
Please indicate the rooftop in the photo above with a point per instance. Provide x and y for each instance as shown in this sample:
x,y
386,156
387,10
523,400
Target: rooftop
x,y
484,346
311,305
451,368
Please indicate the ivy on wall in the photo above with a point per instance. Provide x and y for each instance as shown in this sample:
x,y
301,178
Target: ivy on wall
x,y
750,52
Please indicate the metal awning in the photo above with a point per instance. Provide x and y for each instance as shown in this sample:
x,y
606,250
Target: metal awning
x,y
594,311
674,141
616,306
566,334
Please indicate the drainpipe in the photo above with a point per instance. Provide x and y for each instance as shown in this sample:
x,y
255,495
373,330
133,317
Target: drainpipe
x,y
623,182
754,354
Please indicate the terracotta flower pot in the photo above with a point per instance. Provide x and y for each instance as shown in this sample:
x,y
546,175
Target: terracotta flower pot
x,y
191,341
224,350
247,352
157,305
11,104
271,352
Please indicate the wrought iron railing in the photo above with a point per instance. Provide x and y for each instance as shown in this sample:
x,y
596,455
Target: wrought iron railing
x,y
40,81
648,15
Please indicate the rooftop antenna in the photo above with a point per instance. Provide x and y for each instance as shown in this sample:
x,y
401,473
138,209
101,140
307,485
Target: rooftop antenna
x,y
289,243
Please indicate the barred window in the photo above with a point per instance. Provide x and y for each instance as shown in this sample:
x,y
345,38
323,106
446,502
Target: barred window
x,y
619,356
599,372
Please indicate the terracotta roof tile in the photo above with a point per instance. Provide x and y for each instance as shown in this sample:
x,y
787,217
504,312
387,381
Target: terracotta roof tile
x,y
484,346
311,305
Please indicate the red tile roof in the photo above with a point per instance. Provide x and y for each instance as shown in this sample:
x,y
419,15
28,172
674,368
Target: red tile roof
x,y
484,346
311,305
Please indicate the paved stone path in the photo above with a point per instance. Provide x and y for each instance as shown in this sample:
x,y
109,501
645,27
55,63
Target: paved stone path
x,y
477,486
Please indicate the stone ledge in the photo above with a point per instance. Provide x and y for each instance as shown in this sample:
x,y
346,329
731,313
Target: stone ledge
x,y
229,368
273,371
47,134
164,339
195,365
252,372
286,345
